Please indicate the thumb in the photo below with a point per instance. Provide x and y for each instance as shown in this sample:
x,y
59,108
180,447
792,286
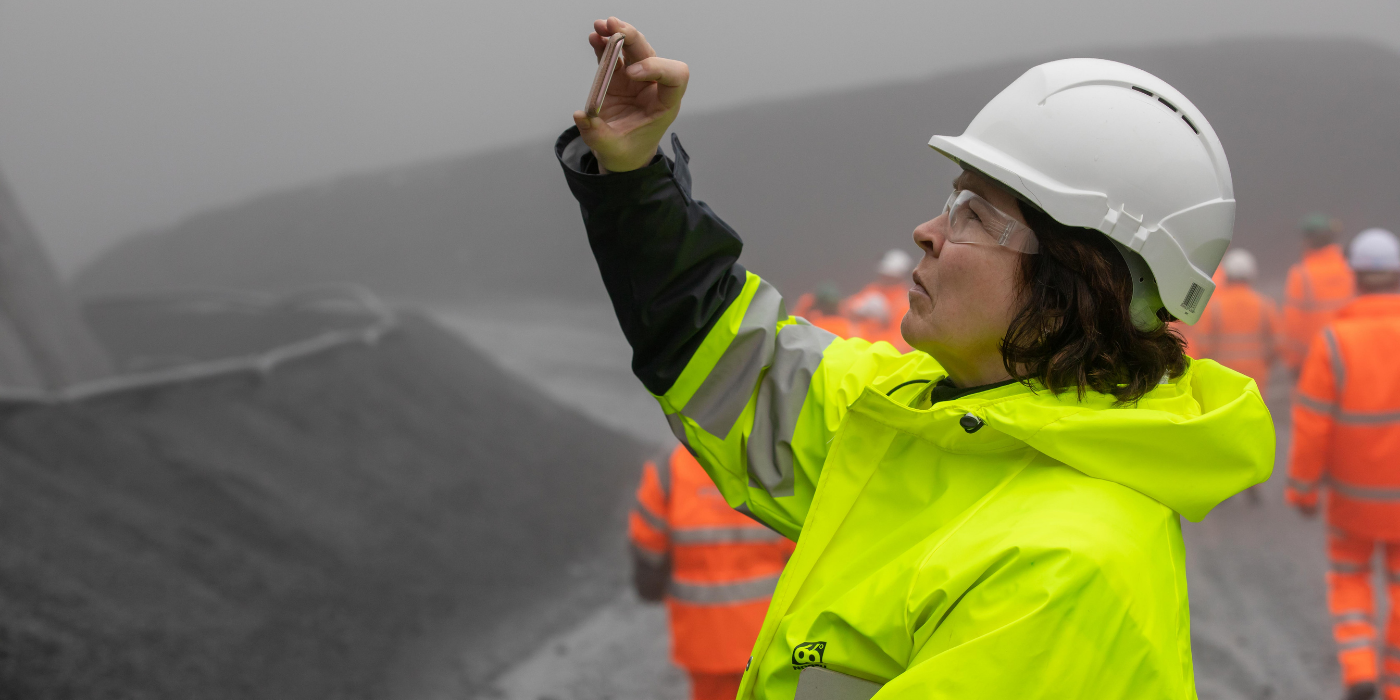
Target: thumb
x,y
586,124
595,131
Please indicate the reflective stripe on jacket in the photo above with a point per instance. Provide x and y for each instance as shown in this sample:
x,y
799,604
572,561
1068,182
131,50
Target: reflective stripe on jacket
x,y
1031,549
1318,287
724,565
1346,419
1238,329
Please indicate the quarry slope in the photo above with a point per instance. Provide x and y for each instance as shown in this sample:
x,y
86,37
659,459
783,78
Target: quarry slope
x,y
818,186
381,521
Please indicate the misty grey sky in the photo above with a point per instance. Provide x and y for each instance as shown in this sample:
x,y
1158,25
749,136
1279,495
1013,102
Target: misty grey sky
x,y
121,116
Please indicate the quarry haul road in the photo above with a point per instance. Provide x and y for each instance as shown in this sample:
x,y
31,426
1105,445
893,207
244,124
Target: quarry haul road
x,y
1260,628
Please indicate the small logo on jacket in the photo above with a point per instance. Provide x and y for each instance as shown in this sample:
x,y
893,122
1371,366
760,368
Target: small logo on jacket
x,y
808,654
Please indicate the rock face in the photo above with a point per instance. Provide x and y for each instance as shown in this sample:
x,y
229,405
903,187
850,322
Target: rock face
x,y
818,186
317,532
43,341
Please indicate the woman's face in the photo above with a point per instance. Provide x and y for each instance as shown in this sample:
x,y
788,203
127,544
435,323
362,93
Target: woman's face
x,y
964,295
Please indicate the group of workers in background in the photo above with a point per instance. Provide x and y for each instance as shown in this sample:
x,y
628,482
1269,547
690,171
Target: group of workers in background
x,y
715,568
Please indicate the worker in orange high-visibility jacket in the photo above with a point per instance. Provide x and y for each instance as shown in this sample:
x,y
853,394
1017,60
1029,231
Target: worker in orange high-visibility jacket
x,y
823,310
1318,286
1192,334
1346,438
1239,327
715,567
879,308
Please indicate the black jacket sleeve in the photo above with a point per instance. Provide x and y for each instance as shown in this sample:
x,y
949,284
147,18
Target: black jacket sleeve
x,y
669,263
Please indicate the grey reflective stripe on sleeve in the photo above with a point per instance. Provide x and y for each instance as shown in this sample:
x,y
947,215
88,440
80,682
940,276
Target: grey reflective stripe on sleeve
x,y
723,535
1324,407
817,683
720,593
652,519
1357,643
797,354
1358,418
721,398
1297,485
1351,616
1339,368
1364,493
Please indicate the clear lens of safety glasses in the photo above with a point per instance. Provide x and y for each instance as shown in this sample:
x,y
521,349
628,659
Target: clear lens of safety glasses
x,y
972,219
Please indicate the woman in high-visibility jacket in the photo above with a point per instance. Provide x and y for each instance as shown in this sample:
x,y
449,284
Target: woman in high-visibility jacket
x,y
995,514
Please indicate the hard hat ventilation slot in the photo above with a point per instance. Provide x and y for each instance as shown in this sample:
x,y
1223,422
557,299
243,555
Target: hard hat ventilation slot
x,y
1170,106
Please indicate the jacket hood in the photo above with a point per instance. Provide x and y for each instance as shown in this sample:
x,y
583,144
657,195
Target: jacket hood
x,y
1189,444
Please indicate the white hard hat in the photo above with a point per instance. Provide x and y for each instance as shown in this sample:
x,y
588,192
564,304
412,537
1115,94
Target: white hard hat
x,y
895,263
1239,265
1102,145
1375,250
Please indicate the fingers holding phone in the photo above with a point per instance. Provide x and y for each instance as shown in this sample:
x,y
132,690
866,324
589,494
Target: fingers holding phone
x,y
625,116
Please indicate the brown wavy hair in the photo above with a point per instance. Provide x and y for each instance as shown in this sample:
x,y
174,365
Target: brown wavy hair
x,y
1074,330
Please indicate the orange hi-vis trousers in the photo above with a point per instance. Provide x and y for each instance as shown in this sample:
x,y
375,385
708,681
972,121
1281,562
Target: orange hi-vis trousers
x,y
1351,600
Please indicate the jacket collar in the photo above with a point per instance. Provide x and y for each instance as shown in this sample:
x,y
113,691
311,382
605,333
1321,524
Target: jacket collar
x,y
1328,253
1372,306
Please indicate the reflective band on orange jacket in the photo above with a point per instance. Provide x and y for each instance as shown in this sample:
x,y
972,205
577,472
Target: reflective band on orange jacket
x,y
1238,329
892,302
1346,419
1318,286
724,565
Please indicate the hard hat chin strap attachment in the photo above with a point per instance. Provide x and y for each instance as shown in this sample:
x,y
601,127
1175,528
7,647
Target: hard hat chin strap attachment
x,y
1146,299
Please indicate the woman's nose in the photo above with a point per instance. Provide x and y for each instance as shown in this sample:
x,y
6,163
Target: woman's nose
x,y
931,235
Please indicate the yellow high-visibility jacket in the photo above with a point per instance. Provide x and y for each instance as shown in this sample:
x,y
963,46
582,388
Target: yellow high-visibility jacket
x,y
1039,556
1007,544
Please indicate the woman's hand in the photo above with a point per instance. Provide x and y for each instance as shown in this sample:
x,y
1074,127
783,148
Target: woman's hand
x,y
641,103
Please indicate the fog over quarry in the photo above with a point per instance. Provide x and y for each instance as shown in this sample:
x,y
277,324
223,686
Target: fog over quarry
x,y
421,518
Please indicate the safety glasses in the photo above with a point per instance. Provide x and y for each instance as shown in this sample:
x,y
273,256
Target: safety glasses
x,y
974,220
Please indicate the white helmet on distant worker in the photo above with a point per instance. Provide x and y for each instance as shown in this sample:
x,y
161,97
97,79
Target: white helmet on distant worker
x,y
1239,266
1102,145
1375,250
895,263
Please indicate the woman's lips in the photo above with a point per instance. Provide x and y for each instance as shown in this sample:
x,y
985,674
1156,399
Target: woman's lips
x,y
918,288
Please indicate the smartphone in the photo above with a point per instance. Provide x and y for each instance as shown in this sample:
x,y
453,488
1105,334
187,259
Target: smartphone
x,y
606,65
